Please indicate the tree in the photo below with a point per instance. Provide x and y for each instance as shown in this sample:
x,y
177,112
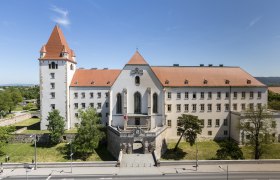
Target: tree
x,y
56,126
89,134
5,135
4,108
189,126
257,125
229,150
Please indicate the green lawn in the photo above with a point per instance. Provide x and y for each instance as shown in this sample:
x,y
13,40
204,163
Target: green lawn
x,y
28,122
207,151
24,152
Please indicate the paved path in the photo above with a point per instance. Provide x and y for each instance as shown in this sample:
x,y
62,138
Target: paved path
x,y
137,160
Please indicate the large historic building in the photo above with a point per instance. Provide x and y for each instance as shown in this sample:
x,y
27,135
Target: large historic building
x,y
141,103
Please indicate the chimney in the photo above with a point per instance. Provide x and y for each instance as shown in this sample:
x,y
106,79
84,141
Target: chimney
x,y
210,65
221,65
176,65
201,65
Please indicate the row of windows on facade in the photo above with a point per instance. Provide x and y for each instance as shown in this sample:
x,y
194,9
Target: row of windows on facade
x,y
54,65
83,105
137,103
209,107
91,95
219,95
209,133
99,115
209,123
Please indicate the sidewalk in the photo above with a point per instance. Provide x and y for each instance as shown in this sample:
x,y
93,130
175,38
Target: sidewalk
x,y
144,170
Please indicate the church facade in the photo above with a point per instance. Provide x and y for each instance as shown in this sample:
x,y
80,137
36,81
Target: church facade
x,y
140,104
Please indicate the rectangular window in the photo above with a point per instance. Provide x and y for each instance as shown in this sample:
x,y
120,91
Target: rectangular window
x,y
83,95
52,106
194,107
209,107
99,95
169,123
52,95
235,107
259,95
225,132
251,106
178,107
76,115
243,95
209,124
83,105
209,133
235,95
52,75
225,122
243,107
186,95
217,122
98,105
75,95
169,107
227,95
178,95
168,95
106,94
76,106
273,124
209,95
218,107
194,95
52,85
202,122
178,133
107,114
91,105
251,95
106,104
202,95
218,95
226,107
201,107
186,107
91,95
259,106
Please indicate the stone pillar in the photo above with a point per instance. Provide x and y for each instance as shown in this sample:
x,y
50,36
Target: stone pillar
x,y
129,148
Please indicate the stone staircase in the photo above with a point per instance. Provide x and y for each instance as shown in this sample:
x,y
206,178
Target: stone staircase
x,y
137,160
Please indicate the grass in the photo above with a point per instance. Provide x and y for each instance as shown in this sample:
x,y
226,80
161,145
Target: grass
x,y
73,130
207,151
35,131
24,152
28,122
18,108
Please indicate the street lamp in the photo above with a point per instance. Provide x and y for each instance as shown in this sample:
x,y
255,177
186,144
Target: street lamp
x,y
196,153
225,170
71,154
35,146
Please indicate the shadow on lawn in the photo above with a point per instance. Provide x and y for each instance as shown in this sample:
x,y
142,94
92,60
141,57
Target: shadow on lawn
x,y
176,155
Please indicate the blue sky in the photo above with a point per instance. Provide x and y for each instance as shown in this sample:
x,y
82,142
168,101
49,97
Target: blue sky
x,y
105,33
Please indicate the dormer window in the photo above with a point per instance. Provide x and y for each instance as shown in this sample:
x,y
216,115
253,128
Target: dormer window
x,y
226,81
137,80
53,65
186,82
248,81
92,82
205,81
166,82
108,82
76,82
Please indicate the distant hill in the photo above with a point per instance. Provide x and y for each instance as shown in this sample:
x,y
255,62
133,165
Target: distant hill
x,y
269,81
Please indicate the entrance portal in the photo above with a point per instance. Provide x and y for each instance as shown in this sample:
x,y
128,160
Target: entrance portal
x,y
138,147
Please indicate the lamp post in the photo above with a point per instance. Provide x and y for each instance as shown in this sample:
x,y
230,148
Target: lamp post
x,y
71,155
35,146
196,152
225,170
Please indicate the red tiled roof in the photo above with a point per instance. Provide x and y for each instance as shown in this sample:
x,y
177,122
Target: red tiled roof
x,y
274,89
95,77
56,45
137,59
204,76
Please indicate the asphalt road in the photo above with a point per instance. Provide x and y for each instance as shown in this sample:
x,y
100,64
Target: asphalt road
x,y
195,176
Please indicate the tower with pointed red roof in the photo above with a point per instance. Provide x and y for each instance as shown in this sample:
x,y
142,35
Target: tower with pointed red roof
x,y
57,67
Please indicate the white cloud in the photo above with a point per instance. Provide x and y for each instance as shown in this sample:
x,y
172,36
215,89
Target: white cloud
x,y
254,21
61,17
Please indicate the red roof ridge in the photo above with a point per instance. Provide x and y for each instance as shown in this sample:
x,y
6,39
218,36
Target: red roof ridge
x,y
137,58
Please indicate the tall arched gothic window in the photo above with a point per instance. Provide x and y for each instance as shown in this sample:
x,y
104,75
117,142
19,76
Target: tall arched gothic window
x,y
137,103
119,103
155,103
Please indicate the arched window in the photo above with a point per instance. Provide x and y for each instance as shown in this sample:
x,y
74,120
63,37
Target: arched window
x,y
137,80
155,103
53,65
137,103
119,103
